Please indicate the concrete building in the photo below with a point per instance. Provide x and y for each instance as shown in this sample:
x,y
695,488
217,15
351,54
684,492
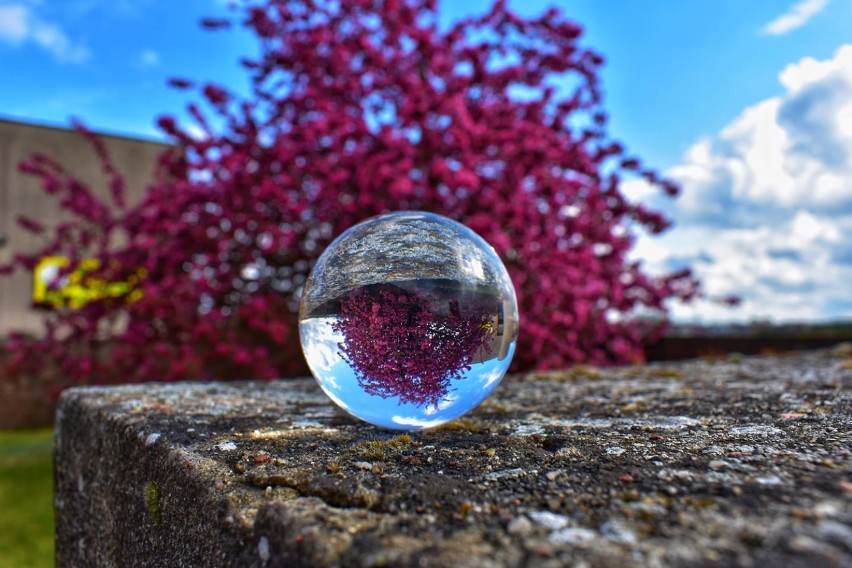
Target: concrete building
x,y
22,195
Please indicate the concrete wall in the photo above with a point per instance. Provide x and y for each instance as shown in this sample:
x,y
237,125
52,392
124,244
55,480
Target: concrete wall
x,y
743,462
21,195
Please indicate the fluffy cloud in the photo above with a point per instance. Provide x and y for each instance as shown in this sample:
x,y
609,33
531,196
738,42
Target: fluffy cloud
x,y
149,58
796,17
19,24
766,211
14,27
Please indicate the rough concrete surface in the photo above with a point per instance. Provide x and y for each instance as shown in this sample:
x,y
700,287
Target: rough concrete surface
x,y
743,461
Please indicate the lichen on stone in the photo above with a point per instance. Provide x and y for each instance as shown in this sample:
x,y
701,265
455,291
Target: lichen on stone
x,y
152,500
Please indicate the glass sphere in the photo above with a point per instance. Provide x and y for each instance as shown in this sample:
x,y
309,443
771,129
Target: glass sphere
x,y
408,320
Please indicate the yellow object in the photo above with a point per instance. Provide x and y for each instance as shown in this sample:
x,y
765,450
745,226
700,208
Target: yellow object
x,y
55,287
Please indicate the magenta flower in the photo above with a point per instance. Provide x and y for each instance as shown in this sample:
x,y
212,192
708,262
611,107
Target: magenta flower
x,y
359,108
410,344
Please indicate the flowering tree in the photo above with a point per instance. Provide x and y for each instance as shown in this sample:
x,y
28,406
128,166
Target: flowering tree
x,y
358,108
410,345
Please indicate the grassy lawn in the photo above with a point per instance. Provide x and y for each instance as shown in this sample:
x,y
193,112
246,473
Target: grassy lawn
x,y
26,498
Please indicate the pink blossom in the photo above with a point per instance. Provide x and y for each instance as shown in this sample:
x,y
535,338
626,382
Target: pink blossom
x,y
358,108
402,345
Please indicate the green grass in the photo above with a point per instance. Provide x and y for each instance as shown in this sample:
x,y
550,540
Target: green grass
x,y
26,498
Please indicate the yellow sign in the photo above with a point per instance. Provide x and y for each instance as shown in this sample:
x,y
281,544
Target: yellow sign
x,y
53,286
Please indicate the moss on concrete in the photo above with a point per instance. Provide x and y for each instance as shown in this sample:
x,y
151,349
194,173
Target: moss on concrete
x,y
152,499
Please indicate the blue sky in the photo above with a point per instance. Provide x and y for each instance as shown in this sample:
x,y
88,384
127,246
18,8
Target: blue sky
x,y
747,104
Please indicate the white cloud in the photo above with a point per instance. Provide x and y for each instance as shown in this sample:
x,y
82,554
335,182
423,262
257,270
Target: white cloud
x,y
416,422
794,150
149,58
13,23
638,190
766,208
197,133
797,16
54,40
19,25
786,271
443,404
321,346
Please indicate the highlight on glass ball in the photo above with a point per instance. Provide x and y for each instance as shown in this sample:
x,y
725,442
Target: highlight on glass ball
x,y
408,320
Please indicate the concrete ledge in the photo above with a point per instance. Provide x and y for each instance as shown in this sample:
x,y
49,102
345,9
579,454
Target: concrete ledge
x,y
740,462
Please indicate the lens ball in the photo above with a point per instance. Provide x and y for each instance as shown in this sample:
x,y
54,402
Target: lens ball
x,y
408,320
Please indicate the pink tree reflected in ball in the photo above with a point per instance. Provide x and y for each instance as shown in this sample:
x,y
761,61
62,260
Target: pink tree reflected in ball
x,y
408,320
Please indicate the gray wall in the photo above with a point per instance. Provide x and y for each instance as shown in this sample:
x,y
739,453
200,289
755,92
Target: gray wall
x,y
22,195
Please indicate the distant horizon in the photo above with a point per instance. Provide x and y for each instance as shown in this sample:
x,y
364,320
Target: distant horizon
x,y
760,322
